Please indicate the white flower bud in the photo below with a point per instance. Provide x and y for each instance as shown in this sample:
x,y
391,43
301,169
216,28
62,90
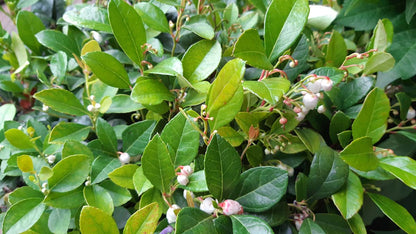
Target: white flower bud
x,y
97,106
87,183
231,207
292,64
44,190
207,206
203,107
300,116
326,84
51,158
92,97
310,101
170,214
124,158
186,170
44,185
190,193
321,109
183,179
90,108
267,151
45,108
314,85
411,113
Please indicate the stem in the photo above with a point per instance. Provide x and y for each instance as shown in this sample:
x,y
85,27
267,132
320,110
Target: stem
x,y
245,149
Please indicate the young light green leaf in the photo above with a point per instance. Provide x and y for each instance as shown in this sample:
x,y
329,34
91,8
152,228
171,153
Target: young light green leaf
x,y
397,213
144,220
194,220
65,131
22,215
202,29
336,51
149,12
123,176
222,167
320,17
88,16
271,89
357,225
28,24
59,220
25,164
93,220
106,135
18,139
58,41
67,200
69,173
98,197
360,155
284,21
382,36
372,119
148,91
7,112
158,165
122,103
350,198
379,62
249,224
141,183
62,100
403,168
128,29
108,69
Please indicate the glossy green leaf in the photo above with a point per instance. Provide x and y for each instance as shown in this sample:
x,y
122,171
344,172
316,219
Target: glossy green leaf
x,y
62,101
260,188
271,89
144,220
136,136
339,123
128,29
200,60
153,195
405,102
372,119
58,64
201,29
403,168
397,213
300,53
28,24
231,135
222,167
59,220
141,183
332,223
382,36
106,135
197,182
88,16
25,164
65,131
225,85
335,74
410,10
327,175
170,67
69,173
123,176
119,195
122,103
149,13
312,140
193,220
18,139
67,200
310,227
98,197
45,173
23,193
284,21
336,51
255,155
58,41
320,17
101,166
75,147
348,94
403,50
261,4
249,224
158,165
93,220
379,62
22,215
360,154
148,91
182,138
350,198
108,69
7,112
357,224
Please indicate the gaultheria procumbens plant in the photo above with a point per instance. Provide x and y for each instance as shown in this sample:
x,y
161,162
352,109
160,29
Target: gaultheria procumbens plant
x,y
163,116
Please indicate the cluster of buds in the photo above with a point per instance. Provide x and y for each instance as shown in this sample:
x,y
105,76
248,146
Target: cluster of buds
x,y
44,188
94,106
124,158
183,175
231,207
268,151
171,213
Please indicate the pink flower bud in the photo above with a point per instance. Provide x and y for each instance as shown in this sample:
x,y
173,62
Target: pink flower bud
x,y
283,121
183,179
207,206
186,170
231,207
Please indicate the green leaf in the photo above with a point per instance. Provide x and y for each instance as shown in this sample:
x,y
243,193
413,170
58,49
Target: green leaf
x,y
357,225
403,50
25,164
271,89
88,16
65,131
350,198
58,41
69,173
284,21
193,220
128,29
348,94
20,52
182,138
75,147
136,136
231,135
336,51
260,188
382,36
153,195
405,102
7,112
106,135
62,100
200,60
312,140
310,227
339,123
335,74
101,166
148,91
123,176
320,17
93,220
108,69
59,220
403,168
141,183
397,213
149,12
170,67
332,223
225,85
201,29
372,119
118,194
158,165
122,103
45,173
98,197
23,193
327,175
249,224
18,139
68,200
379,62
28,24
223,224
260,4
197,182
58,64
144,220
360,154
410,10
222,167
22,215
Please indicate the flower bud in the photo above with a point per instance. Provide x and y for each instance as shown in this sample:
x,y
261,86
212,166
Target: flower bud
x,y
87,183
207,206
283,121
292,64
321,109
267,151
411,113
90,108
314,85
186,170
124,158
51,158
310,101
300,116
231,207
183,179
45,107
297,109
97,106
170,214
326,84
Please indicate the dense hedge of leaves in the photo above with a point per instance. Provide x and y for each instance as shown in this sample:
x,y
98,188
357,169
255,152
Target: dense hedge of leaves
x,y
278,116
